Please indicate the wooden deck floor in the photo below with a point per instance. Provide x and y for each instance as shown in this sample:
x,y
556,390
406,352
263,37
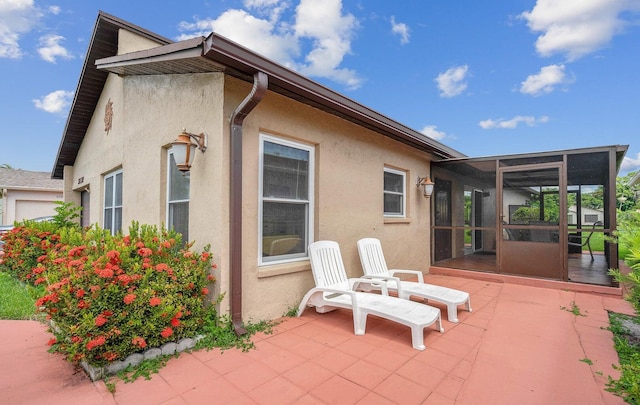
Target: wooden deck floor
x,y
581,268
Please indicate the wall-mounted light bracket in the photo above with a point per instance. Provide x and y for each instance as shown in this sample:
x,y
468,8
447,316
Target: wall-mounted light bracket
x,y
184,149
426,184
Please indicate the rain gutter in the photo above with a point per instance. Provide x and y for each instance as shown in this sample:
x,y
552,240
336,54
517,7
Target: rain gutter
x,y
260,82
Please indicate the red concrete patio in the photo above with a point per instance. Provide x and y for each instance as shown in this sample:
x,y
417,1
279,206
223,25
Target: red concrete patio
x,y
520,345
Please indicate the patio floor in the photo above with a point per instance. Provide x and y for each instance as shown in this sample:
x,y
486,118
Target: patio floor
x,y
519,345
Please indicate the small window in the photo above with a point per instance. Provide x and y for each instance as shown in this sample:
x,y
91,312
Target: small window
x,y
113,202
590,218
286,200
394,193
178,184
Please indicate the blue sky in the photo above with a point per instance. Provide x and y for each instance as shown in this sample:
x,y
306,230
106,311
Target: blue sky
x,y
483,77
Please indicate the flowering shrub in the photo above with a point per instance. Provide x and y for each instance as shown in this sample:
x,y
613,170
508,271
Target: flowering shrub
x,y
110,296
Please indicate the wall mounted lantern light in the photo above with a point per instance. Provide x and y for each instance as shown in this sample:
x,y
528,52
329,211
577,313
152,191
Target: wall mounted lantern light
x,y
184,150
426,184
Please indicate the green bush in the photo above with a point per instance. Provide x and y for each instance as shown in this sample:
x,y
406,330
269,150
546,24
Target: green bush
x,y
628,237
110,296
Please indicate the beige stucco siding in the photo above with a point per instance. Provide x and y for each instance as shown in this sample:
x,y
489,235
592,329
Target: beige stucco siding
x,y
150,111
350,161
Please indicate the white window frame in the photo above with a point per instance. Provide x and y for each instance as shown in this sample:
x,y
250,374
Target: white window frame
x,y
169,201
113,207
309,202
403,193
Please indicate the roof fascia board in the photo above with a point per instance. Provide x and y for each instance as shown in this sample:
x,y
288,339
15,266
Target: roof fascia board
x,y
179,50
618,148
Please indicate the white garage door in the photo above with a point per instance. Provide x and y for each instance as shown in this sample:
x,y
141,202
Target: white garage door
x,y
26,209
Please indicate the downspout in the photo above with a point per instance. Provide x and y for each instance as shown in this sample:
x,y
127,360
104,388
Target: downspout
x,y
260,82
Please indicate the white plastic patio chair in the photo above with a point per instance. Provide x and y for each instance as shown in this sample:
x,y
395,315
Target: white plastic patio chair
x,y
375,267
334,290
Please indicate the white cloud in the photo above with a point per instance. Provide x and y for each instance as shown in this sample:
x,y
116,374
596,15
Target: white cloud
x,y
452,82
400,29
50,48
54,102
318,26
630,164
55,10
433,133
17,17
330,32
513,122
545,81
577,28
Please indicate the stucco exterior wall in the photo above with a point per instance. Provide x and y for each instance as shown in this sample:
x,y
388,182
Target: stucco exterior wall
x,y
350,163
150,111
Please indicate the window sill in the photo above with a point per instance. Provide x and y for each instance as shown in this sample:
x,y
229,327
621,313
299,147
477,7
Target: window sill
x,y
397,221
272,270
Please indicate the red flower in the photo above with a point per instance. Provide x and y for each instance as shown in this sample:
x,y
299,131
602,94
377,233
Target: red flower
x,y
99,341
104,273
129,298
140,245
155,301
140,342
211,278
82,304
52,341
39,280
76,339
144,252
110,356
166,332
114,256
80,293
100,320
165,244
204,291
175,322
162,267
205,256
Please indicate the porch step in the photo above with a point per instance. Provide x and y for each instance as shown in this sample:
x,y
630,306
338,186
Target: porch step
x,y
528,281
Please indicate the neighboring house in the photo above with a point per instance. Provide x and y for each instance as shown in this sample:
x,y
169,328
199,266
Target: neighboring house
x,y
288,162
26,194
589,215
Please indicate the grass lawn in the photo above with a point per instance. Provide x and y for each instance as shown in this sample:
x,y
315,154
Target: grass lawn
x,y
16,299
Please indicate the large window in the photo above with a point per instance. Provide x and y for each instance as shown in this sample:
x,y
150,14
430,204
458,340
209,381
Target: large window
x,y
177,199
286,199
113,202
394,193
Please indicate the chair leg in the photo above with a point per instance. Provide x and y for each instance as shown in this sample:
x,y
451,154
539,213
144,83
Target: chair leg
x,y
417,337
452,313
359,322
468,305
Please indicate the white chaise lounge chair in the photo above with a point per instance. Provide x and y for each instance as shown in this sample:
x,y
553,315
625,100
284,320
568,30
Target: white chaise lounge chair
x,y
334,290
375,267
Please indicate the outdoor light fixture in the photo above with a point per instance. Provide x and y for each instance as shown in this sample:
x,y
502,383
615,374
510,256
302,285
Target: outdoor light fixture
x,y
184,150
426,184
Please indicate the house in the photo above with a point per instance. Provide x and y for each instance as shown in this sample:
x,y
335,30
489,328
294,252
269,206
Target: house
x,y
27,194
280,161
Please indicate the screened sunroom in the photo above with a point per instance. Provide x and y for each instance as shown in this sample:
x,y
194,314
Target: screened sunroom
x,y
543,215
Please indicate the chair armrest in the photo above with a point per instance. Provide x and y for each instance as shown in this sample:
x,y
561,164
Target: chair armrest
x,y
414,272
373,280
385,279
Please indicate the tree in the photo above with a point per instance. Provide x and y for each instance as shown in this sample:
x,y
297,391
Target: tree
x,y
6,166
627,195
